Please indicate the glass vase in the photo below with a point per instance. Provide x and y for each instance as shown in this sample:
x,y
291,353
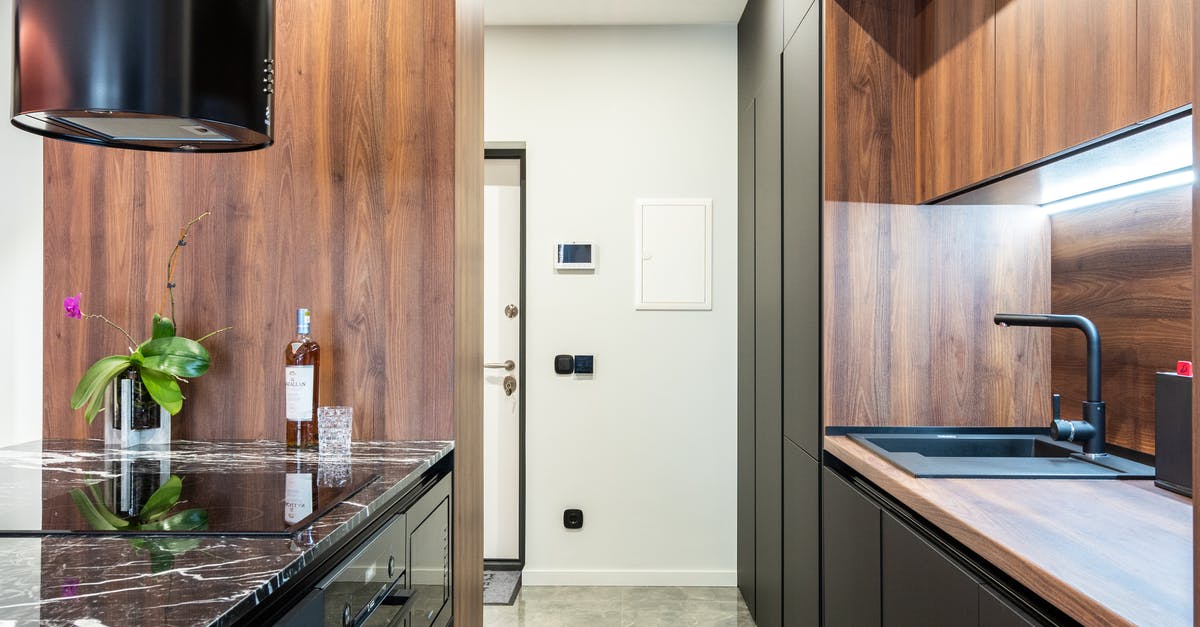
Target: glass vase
x,y
131,417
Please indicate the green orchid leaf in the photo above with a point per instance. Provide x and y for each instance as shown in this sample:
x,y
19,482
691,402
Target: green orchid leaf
x,y
94,406
96,377
89,511
163,498
176,355
187,520
90,390
163,327
113,519
164,389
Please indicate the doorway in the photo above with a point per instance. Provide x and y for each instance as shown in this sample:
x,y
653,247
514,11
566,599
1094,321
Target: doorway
x,y
504,357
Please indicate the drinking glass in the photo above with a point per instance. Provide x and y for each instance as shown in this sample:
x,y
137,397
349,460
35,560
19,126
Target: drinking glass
x,y
333,430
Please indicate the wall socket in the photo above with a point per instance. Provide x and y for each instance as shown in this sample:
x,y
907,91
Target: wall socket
x,y
573,518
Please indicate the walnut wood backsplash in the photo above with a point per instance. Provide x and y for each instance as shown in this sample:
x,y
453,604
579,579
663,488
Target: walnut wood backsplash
x,y
909,294
351,213
1127,266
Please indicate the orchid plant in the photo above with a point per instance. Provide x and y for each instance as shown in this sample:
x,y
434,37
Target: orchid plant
x,y
163,361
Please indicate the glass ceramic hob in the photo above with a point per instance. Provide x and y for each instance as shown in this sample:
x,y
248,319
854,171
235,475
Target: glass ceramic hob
x,y
145,496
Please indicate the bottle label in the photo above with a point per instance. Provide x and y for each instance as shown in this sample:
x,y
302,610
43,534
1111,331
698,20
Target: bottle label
x,y
297,497
299,381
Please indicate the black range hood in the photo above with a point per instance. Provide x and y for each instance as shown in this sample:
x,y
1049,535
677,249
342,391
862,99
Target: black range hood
x,y
170,75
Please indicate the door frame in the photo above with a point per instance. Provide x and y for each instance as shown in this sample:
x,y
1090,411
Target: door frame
x,y
516,150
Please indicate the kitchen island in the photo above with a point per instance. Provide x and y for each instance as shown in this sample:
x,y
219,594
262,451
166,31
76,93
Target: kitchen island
x,y
258,552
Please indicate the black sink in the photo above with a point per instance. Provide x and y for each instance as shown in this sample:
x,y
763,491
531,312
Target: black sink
x,y
971,445
997,456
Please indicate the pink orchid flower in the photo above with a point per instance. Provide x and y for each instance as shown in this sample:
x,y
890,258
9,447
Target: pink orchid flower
x,y
71,306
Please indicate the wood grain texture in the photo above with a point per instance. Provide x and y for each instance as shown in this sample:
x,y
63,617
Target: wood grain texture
x,y
1104,552
351,213
956,94
908,298
1126,265
468,314
1164,55
1066,72
870,101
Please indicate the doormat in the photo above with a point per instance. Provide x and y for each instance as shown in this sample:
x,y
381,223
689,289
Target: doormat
x,y
500,587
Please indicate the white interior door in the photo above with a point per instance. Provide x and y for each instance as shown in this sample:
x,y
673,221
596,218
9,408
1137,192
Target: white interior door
x,y
502,344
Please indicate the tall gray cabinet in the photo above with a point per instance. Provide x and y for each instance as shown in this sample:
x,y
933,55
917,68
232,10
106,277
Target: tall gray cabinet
x,y
779,52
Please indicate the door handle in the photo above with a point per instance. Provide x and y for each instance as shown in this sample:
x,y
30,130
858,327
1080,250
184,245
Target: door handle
x,y
507,365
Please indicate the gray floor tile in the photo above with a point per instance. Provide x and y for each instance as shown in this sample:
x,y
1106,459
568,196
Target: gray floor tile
x,y
571,606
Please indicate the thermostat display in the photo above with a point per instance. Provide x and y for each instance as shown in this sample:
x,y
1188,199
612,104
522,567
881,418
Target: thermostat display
x,y
574,256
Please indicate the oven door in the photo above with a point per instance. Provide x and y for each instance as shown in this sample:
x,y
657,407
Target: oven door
x,y
429,572
362,590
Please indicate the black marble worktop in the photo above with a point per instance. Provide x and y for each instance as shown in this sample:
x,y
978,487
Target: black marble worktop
x,y
180,578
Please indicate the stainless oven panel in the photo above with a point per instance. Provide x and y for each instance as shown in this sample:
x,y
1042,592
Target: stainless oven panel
x,y
429,568
362,583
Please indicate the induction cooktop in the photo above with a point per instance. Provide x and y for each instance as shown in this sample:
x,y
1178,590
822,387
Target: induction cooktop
x,y
145,498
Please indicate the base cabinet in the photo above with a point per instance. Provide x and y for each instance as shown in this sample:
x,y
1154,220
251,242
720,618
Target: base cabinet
x,y
883,566
921,586
850,554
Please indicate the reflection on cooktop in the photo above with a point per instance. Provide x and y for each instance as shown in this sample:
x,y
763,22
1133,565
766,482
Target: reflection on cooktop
x,y
143,497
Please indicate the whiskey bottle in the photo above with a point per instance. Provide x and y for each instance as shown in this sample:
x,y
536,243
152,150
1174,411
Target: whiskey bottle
x,y
302,363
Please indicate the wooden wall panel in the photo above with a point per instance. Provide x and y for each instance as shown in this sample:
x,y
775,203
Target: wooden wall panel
x,y
909,294
1164,55
351,212
468,314
1066,72
956,94
1127,266
870,119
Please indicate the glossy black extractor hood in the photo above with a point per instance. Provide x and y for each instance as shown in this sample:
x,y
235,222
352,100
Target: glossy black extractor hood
x,y
174,75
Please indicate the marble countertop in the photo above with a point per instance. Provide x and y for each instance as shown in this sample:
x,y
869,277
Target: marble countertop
x,y
80,579
1105,551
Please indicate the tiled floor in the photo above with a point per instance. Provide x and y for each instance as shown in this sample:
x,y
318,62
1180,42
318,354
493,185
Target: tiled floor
x,y
620,607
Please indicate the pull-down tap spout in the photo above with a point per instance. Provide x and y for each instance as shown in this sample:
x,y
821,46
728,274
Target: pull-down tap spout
x,y
1090,430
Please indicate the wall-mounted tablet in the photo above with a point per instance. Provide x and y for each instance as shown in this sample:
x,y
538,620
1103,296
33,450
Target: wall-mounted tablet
x,y
574,256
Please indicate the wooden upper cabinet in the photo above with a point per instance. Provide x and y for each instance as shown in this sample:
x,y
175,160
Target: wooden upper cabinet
x,y
956,94
1066,73
1164,55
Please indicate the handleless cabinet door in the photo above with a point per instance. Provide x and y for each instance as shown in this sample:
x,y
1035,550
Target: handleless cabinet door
x,y
956,95
801,537
1164,55
995,611
850,566
1066,73
921,586
802,236
768,360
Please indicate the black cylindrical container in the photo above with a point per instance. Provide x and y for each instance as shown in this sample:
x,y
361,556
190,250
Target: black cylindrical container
x,y
179,75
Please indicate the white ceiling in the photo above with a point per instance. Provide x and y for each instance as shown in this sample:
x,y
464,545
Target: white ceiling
x,y
609,12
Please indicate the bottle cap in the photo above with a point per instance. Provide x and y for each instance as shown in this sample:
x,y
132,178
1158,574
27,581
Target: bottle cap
x,y
302,320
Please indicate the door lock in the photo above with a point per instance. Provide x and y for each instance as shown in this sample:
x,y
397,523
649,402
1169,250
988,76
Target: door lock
x,y
511,311
510,385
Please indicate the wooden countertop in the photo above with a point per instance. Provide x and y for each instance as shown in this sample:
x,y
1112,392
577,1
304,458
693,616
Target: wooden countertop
x,y
1109,552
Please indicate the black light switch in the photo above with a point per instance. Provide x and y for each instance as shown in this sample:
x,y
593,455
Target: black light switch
x,y
564,364
573,518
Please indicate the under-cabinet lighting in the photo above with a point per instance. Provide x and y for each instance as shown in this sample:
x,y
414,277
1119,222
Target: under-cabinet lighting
x,y
1174,178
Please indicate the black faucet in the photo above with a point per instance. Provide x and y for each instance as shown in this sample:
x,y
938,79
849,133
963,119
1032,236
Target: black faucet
x,y
1090,430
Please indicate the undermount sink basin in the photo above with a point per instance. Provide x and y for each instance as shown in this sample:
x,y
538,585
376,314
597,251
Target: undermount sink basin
x,y
995,455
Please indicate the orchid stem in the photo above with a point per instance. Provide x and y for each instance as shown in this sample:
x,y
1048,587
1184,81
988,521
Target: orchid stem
x,y
212,334
116,326
183,233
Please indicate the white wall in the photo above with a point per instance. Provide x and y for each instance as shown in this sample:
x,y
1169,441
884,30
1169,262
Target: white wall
x,y
647,447
20,265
